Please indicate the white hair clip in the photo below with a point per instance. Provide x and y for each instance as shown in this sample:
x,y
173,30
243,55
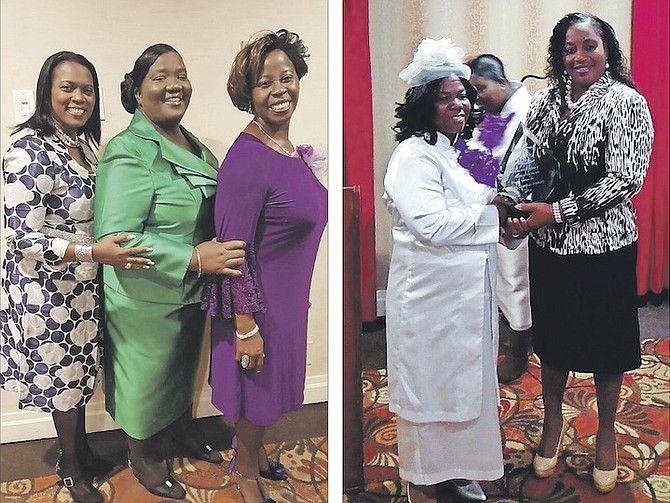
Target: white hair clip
x,y
435,59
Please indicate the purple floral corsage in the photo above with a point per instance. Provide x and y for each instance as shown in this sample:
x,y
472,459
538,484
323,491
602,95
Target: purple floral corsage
x,y
315,160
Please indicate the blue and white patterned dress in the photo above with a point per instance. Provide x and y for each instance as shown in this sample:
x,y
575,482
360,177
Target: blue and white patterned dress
x,y
50,309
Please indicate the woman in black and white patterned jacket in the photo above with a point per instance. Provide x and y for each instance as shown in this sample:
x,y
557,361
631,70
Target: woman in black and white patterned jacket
x,y
584,245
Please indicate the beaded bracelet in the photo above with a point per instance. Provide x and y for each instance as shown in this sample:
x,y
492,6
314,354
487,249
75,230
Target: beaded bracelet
x,y
83,253
250,333
556,210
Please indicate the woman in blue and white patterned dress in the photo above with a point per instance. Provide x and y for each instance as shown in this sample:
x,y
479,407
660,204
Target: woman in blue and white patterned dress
x,y
50,293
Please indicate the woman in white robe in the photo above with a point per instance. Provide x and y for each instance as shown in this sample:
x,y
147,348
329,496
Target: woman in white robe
x,y
441,315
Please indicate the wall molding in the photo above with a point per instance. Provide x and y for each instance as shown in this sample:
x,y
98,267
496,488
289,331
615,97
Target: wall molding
x,y
19,426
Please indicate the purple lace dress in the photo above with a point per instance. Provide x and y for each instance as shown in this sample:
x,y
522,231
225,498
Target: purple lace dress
x,y
279,208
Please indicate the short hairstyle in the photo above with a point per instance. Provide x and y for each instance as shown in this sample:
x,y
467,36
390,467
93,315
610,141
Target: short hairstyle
x,y
417,113
248,63
489,67
43,115
133,79
615,57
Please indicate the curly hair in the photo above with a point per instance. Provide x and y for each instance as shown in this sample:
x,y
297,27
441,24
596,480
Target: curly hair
x,y
41,119
417,113
617,61
248,63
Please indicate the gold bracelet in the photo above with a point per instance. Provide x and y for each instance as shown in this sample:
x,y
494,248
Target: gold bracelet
x,y
197,256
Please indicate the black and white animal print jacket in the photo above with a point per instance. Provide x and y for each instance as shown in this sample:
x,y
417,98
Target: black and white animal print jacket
x,y
604,146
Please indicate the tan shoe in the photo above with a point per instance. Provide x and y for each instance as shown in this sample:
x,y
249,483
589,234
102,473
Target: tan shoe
x,y
605,480
544,467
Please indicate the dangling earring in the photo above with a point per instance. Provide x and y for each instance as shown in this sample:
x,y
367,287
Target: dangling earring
x,y
607,66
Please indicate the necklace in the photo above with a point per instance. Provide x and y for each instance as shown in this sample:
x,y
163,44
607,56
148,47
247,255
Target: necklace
x,y
64,137
568,96
288,153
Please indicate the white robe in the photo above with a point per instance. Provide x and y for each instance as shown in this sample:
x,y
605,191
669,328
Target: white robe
x,y
441,317
444,252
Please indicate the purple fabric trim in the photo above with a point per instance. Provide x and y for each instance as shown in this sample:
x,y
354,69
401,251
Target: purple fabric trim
x,y
481,164
492,129
224,295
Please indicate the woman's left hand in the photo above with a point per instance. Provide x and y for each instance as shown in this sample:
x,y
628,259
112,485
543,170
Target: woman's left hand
x,y
253,348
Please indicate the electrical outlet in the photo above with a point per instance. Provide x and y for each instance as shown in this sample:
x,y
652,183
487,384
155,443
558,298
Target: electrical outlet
x,y
24,104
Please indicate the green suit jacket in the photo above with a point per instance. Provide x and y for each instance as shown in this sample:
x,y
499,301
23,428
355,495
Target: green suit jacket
x,y
150,187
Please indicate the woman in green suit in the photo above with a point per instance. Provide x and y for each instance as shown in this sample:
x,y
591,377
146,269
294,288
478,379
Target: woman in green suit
x,y
157,182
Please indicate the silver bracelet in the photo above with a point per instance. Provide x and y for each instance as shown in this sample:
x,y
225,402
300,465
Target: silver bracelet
x,y
197,256
556,210
83,253
250,333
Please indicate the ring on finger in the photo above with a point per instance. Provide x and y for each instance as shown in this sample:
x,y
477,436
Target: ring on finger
x,y
128,265
244,361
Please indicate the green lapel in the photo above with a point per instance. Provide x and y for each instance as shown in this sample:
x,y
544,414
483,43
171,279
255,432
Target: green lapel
x,y
200,171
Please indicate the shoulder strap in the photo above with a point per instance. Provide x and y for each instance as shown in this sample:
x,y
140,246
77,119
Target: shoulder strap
x,y
515,139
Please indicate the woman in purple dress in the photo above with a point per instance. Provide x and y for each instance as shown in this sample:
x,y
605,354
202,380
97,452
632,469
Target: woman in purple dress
x,y
269,197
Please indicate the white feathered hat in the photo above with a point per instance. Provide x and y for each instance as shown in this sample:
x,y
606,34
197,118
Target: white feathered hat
x,y
435,59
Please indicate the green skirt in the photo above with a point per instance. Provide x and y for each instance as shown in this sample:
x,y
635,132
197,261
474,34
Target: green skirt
x,y
152,354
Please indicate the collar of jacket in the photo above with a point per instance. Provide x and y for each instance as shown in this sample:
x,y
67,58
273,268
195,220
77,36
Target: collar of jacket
x,y
200,171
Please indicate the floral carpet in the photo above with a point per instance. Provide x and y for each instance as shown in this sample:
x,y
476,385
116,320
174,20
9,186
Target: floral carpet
x,y
643,421
306,464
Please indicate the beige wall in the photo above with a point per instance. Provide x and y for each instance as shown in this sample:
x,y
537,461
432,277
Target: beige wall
x,y
517,31
207,33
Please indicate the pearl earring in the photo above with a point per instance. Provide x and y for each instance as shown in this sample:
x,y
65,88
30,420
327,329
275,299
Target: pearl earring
x,y
607,65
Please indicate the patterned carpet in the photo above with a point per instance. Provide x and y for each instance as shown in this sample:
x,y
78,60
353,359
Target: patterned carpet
x,y
643,421
306,464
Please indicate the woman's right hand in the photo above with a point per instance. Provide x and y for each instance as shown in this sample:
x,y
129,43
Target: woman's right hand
x,y
221,258
541,214
108,251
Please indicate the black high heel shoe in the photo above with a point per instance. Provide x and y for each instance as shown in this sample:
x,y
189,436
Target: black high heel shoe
x,y
146,472
275,470
81,489
235,473
152,473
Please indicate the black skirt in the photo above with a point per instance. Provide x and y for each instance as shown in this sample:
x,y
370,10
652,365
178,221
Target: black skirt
x,y
584,310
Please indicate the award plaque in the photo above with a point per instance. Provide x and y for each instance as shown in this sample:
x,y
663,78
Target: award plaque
x,y
522,176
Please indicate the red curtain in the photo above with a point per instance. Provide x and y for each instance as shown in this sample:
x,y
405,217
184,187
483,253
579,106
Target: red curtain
x,y
649,66
358,141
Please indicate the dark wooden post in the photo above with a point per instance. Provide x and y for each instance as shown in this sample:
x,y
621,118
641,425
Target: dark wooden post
x,y
353,385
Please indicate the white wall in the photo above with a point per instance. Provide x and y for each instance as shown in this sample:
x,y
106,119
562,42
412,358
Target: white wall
x,y
208,34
